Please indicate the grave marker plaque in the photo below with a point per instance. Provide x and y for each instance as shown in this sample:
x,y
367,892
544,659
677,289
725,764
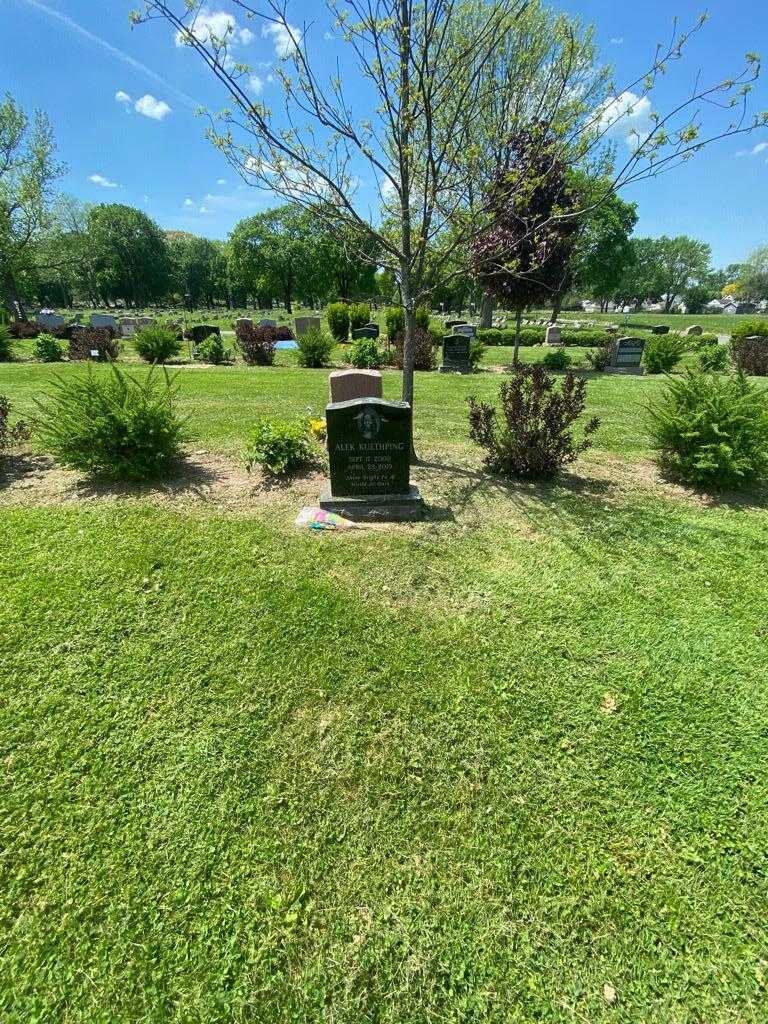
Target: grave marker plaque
x,y
627,356
307,323
456,349
369,450
365,332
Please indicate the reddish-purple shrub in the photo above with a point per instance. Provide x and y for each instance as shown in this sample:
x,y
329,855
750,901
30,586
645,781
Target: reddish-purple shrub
x,y
751,355
534,438
256,343
423,350
284,333
85,340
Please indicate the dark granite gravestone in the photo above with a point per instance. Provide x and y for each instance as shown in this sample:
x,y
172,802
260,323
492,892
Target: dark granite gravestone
x,y
626,356
450,324
369,449
374,327
660,329
200,332
365,332
469,329
456,354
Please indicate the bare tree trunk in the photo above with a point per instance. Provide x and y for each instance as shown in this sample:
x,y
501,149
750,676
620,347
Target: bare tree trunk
x,y
486,310
557,305
14,299
518,322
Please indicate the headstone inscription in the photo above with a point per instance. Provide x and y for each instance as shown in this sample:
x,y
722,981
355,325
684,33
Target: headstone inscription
x,y
50,320
365,332
369,450
347,385
456,348
307,323
553,337
626,356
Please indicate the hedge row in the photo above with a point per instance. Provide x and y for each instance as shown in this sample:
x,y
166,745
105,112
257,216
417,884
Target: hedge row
x,y
536,336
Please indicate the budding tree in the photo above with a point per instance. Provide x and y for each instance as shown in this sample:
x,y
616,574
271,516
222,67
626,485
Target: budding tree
x,y
410,110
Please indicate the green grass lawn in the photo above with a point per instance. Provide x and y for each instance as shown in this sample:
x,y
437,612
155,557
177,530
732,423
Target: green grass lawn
x,y
471,770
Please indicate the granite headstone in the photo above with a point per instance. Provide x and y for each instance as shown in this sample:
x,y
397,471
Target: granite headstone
x,y
347,385
456,348
626,356
365,332
369,450
307,323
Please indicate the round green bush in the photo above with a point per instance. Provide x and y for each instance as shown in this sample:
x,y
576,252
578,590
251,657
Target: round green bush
x,y
359,316
337,315
212,351
663,352
365,354
48,349
157,344
394,320
712,430
315,349
280,447
713,357
557,359
111,424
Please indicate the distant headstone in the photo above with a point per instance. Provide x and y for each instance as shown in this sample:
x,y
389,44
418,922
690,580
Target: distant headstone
x,y
365,332
553,336
127,327
660,329
694,331
307,323
50,320
374,327
243,320
144,321
369,450
267,323
347,385
103,320
626,356
468,329
450,324
456,348
200,332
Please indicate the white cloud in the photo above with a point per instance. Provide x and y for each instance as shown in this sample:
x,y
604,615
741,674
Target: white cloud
x,y
617,41
101,181
328,37
221,181
151,107
760,148
204,209
628,114
188,203
215,27
256,84
122,97
284,37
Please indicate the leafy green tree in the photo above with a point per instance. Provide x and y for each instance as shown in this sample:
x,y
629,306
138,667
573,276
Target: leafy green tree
x,y
682,262
196,267
603,250
130,254
282,252
753,276
28,170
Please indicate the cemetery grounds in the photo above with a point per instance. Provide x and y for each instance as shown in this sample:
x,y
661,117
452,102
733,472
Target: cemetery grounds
x,y
508,764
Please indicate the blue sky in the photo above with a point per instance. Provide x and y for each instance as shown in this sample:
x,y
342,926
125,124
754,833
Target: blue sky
x,y
123,101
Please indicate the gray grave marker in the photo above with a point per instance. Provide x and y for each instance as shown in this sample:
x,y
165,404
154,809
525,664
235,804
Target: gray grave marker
x,y
627,356
456,354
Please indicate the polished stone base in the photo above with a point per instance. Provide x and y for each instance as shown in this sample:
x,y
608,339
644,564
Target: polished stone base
x,y
376,508
633,371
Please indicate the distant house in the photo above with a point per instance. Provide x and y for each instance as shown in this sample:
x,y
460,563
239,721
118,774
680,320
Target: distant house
x,y
715,306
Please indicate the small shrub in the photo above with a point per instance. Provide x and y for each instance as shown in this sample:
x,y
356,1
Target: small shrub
x,y
315,349
337,315
423,316
424,351
534,437
663,352
111,424
365,354
22,329
10,435
437,332
750,328
212,351
394,320
712,431
6,343
359,316
600,358
476,350
157,344
713,357
557,359
85,340
280,447
750,354
257,344
48,349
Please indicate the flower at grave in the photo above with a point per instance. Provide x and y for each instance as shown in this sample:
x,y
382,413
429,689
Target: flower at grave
x,y
318,429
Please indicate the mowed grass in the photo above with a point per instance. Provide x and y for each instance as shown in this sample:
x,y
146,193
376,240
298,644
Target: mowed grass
x,y
470,771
